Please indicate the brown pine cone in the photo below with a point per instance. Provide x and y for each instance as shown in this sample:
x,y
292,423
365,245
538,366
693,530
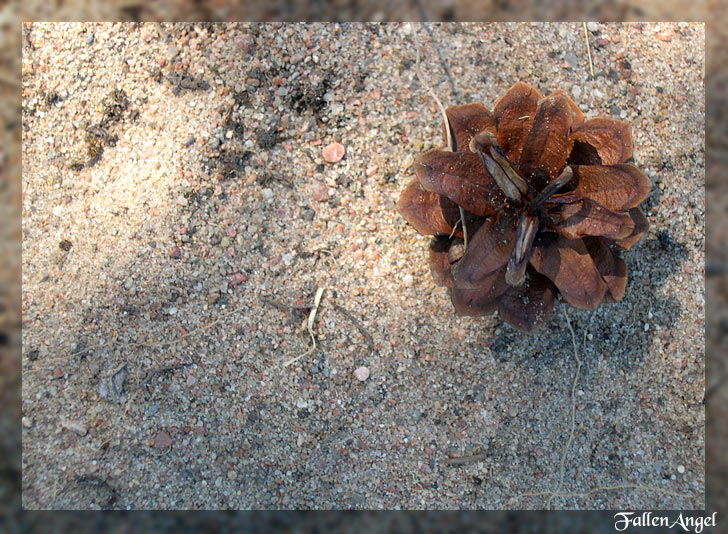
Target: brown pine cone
x,y
549,200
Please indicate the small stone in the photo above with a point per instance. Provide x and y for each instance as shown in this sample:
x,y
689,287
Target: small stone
x,y
267,193
75,427
118,382
371,170
27,422
333,152
571,59
244,42
320,192
362,373
175,253
238,278
232,475
163,440
408,280
172,51
647,327
576,91
681,469
592,26
189,140
90,39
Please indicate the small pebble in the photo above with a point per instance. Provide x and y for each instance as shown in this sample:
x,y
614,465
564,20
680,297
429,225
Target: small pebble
x,y
320,192
175,252
333,152
81,430
681,469
90,39
238,278
362,373
592,26
163,440
267,193
408,280
187,141
27,422
172,51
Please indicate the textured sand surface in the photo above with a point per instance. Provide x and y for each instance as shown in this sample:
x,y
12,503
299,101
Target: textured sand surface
x,y
179,215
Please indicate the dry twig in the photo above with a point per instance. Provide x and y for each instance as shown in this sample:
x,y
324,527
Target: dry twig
x,y
460,460
446,124
573,409
359,326
309,326
159,371
588,50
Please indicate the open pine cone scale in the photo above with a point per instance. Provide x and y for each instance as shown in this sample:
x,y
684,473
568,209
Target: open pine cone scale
x,y
549,200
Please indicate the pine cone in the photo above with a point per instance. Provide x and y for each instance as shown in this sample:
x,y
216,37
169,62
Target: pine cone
x,y
549,200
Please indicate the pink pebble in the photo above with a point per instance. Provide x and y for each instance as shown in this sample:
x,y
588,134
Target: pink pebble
x,y
362,373
320,192
238,278
334,152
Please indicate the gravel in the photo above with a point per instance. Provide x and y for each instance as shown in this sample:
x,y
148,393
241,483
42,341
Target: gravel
x,y
206,415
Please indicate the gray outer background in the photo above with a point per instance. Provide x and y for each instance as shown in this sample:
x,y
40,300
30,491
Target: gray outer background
x,y
248,434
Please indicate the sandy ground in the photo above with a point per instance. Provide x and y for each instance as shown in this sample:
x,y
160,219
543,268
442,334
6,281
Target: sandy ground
x,y
171,255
